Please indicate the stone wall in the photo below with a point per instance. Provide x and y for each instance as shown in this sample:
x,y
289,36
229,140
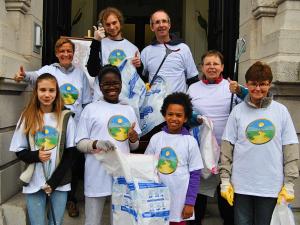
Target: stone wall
x,y
17,19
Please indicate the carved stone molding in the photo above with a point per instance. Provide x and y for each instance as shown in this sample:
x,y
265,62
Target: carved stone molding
x,y
278,2
8,84
264,8
18,5
286,89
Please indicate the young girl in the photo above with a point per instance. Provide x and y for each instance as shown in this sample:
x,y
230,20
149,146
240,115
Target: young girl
x,y
104,125
179,157
44,139
75,91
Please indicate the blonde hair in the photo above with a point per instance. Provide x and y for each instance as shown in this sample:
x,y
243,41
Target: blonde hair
x,y
62,41
32,115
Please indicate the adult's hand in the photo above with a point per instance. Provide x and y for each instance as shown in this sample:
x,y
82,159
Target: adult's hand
x,y
234,87
20,75
99,33
136,61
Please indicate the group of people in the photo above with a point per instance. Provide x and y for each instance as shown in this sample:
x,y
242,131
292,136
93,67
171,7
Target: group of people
x,y
259,145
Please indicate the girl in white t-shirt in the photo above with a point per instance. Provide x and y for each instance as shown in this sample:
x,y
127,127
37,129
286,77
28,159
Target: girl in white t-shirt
x,y
104,125
44,140
179,157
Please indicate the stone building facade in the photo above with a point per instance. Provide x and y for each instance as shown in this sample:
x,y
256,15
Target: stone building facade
x,y
271,29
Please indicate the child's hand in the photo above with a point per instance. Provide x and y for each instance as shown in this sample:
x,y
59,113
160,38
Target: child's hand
x,y
187,211
104,146
132,134
44,156
47,188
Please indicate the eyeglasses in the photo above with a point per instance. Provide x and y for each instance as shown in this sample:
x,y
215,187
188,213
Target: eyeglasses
x,y
110,84
162,21
212,64
256,84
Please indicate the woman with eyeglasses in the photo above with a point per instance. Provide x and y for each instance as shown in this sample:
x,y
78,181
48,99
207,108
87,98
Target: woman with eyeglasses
x,y
211,97
259,152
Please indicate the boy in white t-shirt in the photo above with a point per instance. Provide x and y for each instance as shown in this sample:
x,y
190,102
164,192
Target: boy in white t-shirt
x,y
180,161
104,125
259,152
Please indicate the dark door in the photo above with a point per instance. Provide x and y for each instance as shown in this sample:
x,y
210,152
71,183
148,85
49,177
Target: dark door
x,y
223,30
56,23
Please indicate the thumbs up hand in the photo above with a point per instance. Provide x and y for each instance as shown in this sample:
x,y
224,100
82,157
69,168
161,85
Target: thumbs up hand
x,y
234,86
132,134
20,75
136,60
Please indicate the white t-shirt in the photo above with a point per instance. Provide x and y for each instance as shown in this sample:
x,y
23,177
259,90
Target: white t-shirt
x,y
177,67
114,52
48,137
74,87
258,136
101,120
212,101
178,155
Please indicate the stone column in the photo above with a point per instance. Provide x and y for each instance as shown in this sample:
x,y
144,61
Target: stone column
x,y
16,43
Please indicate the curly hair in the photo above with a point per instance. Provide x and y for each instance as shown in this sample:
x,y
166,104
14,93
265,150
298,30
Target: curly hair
x,y
108,69
105,13
179,98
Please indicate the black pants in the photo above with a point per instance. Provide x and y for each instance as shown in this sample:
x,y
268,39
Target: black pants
x,y
77,174
226,211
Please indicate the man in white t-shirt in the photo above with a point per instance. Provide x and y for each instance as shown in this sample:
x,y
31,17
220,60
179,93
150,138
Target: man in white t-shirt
x,y
109,47
179,65
263,168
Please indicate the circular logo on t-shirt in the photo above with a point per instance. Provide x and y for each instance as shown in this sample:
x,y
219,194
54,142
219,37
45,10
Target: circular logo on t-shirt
x,y
116,57
118,127
260,131
168,161
47,138
69,93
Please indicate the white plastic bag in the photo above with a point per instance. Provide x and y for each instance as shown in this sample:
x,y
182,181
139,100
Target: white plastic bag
x,y
282,215
138,198
133,87
150,115
209,148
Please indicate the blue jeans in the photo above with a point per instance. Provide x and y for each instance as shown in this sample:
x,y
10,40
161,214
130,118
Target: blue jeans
x,y
36,206
253,210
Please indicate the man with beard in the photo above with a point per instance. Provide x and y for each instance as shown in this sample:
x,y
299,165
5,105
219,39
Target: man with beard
x,y
113,48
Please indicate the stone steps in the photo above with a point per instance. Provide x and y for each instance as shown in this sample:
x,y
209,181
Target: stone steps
x,y
13,212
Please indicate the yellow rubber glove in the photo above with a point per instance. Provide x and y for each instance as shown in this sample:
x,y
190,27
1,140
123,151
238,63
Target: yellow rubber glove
x,y
147,86
286,195
227,191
